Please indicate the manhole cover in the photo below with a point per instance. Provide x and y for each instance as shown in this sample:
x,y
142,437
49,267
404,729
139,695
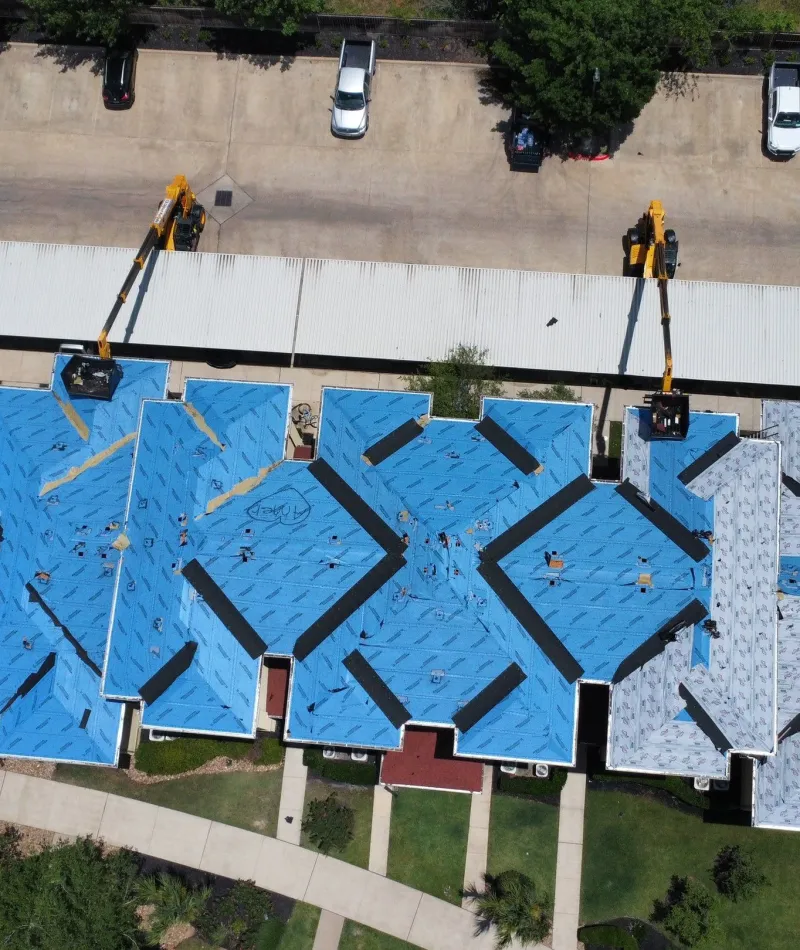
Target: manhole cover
x,y
223,199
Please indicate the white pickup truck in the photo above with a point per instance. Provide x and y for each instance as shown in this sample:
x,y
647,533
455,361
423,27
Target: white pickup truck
x,y
350,113
783,110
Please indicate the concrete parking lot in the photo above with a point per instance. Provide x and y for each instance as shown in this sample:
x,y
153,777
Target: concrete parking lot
x,y
428,184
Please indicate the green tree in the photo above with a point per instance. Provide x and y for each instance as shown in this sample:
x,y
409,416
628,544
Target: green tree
x,y
101,21
582,67
73,895
174,901
233,920
736,874
329,824
686,912
558,392
288,14
510,901
457,383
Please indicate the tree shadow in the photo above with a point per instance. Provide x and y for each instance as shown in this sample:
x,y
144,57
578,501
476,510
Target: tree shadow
x,y
494,88
262,49
679,84
72,57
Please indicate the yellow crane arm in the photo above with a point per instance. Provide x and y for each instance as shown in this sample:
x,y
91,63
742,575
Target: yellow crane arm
x,y
657,215
175,192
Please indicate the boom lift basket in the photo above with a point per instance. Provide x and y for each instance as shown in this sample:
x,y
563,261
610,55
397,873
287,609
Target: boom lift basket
x,y
669,415
89,377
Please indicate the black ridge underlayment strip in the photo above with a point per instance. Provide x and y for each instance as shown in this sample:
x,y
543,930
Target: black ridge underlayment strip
x,y
506,444
30,681
548,642
703,720
356,507
535,520
664,521
791,484
162,679
376,689
692,613
791,728
500,687
393,442
347,605
224,609
36,598
707,459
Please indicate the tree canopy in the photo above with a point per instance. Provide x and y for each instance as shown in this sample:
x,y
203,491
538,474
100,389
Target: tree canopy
x,y
100,21
288,13
511,902
73,895
458,383
581,67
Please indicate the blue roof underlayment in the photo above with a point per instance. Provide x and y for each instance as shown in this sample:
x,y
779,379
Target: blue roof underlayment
x,y
209,485
58,539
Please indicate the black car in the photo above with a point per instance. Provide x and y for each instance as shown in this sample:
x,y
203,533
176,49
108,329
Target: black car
x,y
524,144
119,77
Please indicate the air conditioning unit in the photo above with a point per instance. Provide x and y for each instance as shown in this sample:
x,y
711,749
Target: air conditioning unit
x,y
508,768
329,753
358,756
542,771
721,785
702,783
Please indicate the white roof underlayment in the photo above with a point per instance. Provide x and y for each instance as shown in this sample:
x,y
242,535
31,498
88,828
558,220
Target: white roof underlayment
x,y
737,688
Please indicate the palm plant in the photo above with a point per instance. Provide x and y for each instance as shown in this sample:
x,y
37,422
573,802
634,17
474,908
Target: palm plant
x,y
174,901
510,902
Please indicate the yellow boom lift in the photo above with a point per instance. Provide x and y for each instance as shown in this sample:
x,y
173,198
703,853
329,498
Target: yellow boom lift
x,y
177,226
653,252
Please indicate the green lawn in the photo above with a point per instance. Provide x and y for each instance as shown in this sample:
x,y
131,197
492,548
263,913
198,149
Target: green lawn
x,y
428,843
633,845
360,800
358,937
523,834
244,799
300,929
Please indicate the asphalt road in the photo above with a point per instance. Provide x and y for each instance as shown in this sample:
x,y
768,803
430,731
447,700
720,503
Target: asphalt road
x,y
428,184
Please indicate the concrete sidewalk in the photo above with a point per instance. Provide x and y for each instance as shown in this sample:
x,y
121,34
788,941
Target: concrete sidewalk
x,y
381,829
339,888
329,931
293,796
569,861
478,839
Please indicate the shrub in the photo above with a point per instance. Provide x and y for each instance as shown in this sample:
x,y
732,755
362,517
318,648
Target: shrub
x,y
269,751
736,874
174,901
185,754
234,920
340,770
558,392
607,935
510,901
686,911
670,783
534,787
329,824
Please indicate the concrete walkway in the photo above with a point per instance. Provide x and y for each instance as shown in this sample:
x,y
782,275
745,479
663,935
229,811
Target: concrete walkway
x,y
337,887
381,828
293,796
478,839
329,931
568,863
